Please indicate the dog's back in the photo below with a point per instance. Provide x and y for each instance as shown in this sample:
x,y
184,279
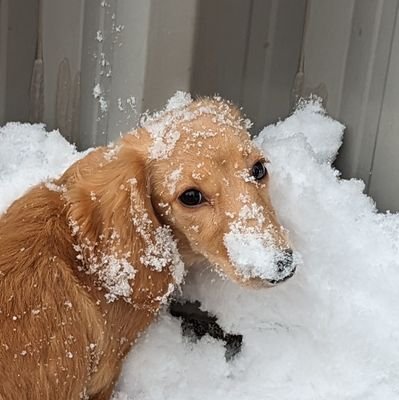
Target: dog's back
x,y
40,339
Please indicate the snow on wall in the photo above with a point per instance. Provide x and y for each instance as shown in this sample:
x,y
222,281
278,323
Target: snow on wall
x,y
330,332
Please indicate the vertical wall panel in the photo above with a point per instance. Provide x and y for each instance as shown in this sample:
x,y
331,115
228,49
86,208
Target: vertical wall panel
x,y
143,52
3,57
113,68
261,25
62,39
363,89
220,47
128,57
170,50
327,42
282,57
384,181
93,126
248,52
21,47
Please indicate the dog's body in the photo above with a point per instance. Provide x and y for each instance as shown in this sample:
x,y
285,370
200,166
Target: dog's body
x,y
86,261
59,337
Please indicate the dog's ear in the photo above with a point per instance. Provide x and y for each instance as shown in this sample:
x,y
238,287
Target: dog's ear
x,y
110,189
133,158
110,202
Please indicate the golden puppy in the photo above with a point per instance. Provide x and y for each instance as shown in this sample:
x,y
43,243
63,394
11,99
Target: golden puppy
x,y
87,260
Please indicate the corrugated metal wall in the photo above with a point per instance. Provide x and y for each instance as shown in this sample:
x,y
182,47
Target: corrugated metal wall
x,y
98,55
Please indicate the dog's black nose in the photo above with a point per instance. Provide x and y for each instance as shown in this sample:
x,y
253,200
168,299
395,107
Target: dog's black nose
x,y
286,262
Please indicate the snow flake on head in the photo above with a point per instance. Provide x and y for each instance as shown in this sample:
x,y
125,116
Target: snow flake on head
x,y
179,100
163,141
112,151
246,176
164,126
172,179
55,188
75,228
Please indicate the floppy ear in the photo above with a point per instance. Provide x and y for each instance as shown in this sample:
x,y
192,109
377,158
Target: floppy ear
x,y
108,189
110,203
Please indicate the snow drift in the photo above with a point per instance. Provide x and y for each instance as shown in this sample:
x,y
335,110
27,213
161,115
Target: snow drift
x,y
330,332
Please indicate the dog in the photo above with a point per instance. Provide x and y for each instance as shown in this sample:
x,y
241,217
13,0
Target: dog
x,y
87,260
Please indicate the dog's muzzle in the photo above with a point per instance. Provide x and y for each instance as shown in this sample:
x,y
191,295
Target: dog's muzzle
x,y
285,267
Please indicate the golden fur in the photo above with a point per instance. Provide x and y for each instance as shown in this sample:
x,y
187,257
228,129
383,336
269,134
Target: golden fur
x,y
60,338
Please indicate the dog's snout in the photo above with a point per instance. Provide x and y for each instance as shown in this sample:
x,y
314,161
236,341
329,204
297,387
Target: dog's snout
x,y
286,261
285,267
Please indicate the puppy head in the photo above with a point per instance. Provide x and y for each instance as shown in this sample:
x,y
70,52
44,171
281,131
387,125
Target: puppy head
x,y
209,183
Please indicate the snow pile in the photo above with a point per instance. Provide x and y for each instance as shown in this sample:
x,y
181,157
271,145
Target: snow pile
x,y
29,155
330,332
308,119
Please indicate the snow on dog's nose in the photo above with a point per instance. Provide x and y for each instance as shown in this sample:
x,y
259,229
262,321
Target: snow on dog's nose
x,y
253,251
255,256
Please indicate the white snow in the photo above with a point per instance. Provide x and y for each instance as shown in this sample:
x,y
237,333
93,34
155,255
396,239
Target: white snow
x,y
161,248
330,332
178,100
163,252
173,179
98,94
99,36
115,276
308,119
97,91
29,155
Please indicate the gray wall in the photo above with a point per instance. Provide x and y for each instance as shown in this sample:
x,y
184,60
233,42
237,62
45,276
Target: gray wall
x,y
18,27
247,51
250,58
351,50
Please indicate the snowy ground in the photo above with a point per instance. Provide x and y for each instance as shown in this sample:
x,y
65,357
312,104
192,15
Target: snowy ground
x,y
331,332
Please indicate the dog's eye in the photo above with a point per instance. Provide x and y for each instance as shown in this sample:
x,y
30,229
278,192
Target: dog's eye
x,y
259,170
191,198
